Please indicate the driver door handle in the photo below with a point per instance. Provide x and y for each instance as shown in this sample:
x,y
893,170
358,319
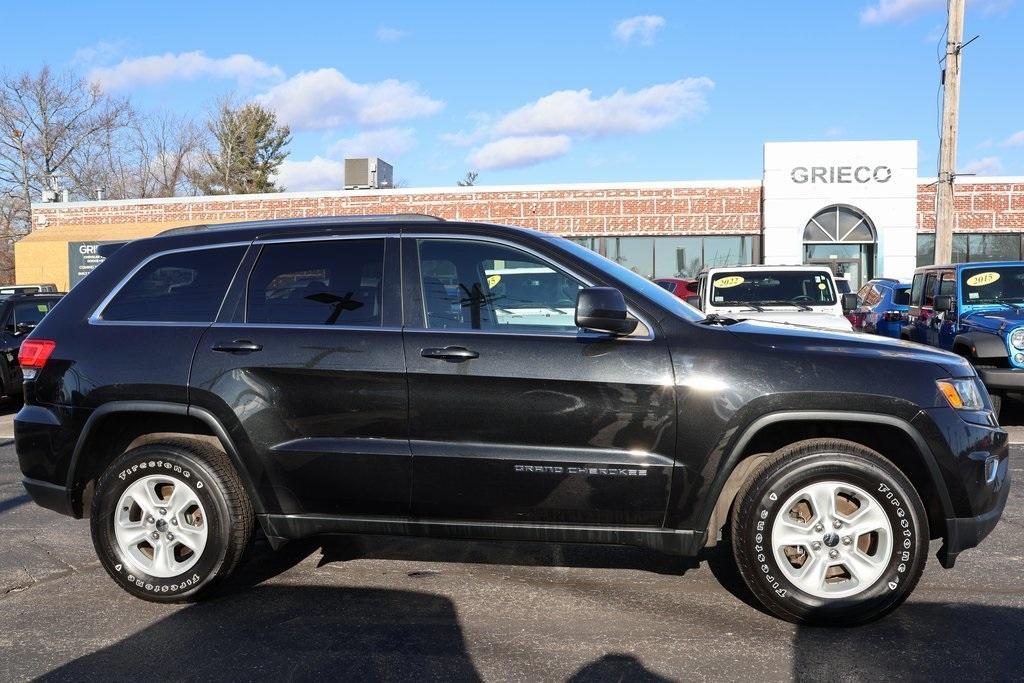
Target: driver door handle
x,y
452,354
237,346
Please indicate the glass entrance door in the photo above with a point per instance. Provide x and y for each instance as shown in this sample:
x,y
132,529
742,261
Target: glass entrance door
x,y
852,261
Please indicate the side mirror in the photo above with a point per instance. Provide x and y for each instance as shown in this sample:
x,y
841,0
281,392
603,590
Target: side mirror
x,y
942,303
850,302
694,300
603,309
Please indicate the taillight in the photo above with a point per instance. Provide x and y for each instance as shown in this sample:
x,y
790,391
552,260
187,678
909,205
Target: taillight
x,y
34,353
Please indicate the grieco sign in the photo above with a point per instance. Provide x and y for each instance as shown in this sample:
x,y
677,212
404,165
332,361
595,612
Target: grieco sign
x,y
82,260
841,174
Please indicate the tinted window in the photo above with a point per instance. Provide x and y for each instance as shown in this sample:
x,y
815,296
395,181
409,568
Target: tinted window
x,y
186,286
901,296
929,288
948,283
993,284
485,286
667,286
28,313
336,282
917,289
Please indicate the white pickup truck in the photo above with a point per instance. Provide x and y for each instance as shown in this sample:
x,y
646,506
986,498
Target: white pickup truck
x,y
800,295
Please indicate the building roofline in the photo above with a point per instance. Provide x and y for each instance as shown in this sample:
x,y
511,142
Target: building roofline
x,y
399,192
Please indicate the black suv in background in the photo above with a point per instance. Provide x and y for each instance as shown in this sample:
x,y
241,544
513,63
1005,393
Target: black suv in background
x,y
407,375
19,315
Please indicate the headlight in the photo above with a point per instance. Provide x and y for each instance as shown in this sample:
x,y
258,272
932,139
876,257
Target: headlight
x,y
961,394
1017,338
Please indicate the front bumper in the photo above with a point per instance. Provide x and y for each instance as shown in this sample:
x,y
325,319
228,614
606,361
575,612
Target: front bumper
x,y
1002,379
965,533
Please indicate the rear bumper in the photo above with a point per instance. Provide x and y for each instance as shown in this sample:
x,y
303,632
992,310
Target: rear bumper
x,y
1005,379
965,533
50,496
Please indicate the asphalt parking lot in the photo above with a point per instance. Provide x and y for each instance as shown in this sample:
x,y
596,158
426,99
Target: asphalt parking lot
x,y
396,609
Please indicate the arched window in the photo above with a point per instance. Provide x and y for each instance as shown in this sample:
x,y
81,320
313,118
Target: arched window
x,y
840,223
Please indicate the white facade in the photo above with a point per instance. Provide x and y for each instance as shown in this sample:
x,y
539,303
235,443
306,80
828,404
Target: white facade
x,y
877,179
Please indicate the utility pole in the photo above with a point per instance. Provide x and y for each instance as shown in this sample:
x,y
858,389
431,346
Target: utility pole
x,y
950,127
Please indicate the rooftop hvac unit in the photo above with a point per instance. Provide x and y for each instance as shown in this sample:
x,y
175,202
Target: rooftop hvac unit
x,y
367,174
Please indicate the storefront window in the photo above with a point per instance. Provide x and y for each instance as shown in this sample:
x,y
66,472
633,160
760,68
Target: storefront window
x,y
972,247
637,254
678,256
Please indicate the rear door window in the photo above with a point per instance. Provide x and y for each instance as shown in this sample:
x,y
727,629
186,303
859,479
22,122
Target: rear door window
x,y
322,282
183,286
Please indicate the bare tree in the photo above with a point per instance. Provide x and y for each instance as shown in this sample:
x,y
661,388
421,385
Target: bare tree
x,y
153,156
47,122
469,180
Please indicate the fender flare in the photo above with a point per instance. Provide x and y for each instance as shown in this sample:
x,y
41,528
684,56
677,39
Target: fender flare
x,y
205,416
751,430
982,345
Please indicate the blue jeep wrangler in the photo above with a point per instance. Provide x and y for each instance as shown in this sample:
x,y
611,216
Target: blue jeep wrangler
x,y
977,311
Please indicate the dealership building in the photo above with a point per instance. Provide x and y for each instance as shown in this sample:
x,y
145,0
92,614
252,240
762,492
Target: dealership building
x,y
861,207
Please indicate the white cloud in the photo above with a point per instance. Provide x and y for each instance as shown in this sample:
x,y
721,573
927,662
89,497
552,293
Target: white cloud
x,y
643,28
315,174
518,151
1015,140
388,34
103,51
888,11
183,66
387,143
577,112
983,166
326,98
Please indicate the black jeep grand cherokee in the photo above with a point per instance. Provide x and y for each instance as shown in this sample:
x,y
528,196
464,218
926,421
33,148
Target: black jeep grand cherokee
x,y
407,375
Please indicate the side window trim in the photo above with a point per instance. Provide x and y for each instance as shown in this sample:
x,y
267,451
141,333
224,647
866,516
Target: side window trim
x,y
412,288
96,317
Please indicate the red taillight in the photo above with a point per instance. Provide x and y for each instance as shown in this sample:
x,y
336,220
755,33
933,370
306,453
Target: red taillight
x,y
35,352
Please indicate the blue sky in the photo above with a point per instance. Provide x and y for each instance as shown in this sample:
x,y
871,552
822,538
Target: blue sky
x,y
540,92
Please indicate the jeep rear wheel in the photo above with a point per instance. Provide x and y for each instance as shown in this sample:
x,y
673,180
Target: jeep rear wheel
x,y
169,519
829,532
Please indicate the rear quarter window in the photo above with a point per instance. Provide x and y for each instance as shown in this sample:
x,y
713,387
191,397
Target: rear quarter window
x,y
184,286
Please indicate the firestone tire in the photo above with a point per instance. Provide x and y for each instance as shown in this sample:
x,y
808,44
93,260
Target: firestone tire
x,y
854,561
169,519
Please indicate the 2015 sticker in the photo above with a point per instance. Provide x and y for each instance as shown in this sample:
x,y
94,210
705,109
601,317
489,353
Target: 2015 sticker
x,y
982,279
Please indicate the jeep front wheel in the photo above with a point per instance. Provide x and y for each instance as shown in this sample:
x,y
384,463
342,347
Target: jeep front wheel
x,y
170,518
829,532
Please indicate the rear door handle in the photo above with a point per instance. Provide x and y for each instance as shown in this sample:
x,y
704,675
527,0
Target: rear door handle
x,y
237,346
452,354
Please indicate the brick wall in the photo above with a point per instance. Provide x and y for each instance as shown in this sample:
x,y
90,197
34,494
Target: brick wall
x,y
979,206
622,209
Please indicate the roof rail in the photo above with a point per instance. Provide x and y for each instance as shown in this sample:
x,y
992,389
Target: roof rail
x,y
311,222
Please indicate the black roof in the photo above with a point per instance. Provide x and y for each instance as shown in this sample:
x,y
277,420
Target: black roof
x,y
291,224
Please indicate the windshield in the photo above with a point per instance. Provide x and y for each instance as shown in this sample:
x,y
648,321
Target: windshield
x,y
993,284
772,287
668,301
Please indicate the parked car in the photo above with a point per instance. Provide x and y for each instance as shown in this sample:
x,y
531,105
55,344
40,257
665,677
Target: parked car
x,y
178,401
19,315
977,311
8,290
677,285
884,303
801,295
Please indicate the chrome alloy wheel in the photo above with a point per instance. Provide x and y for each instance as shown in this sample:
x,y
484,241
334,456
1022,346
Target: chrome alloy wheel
x,y
832,539
160,526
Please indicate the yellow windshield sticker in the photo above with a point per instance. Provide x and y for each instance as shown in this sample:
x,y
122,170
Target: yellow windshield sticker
x,y
493,280
729,281
982,279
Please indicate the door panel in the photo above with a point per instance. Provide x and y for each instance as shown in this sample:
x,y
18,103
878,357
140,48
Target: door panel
x,y
541,424
316,380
